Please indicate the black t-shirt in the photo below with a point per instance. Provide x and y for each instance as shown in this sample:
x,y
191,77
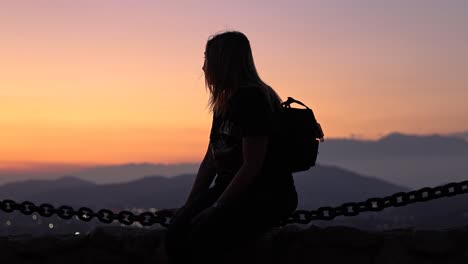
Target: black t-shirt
x,y
248,114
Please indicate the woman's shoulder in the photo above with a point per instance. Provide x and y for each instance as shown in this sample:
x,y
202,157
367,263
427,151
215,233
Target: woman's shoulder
x,y
248,93
249,102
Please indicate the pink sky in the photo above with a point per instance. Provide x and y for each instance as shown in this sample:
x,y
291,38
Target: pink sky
x,y
121,81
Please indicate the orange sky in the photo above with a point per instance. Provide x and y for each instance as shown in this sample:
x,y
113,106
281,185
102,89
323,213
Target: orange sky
x,y
121,81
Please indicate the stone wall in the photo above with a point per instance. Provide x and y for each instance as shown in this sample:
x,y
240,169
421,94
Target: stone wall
x,y
289,244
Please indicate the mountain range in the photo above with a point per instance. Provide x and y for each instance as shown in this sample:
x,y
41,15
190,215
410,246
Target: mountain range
x,y
320,186
100,174
462,135
408,160
413,161
316,187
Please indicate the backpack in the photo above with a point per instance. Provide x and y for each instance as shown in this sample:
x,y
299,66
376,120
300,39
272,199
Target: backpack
x,y
299,134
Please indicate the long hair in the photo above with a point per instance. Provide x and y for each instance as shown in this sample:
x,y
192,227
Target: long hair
x,y
228,65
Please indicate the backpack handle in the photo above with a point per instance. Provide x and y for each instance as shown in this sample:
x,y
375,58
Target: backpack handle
x,y
292,100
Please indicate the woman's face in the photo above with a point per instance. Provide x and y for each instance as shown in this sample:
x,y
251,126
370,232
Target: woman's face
x,y
204,68
204,63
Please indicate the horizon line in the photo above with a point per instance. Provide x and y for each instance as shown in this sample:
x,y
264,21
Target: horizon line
x,y
25,165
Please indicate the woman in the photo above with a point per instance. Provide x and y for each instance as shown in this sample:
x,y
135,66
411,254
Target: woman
x,y
252,192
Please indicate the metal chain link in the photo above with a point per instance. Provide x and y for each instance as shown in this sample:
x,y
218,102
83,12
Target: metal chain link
x,y
84,213
300,216
377,204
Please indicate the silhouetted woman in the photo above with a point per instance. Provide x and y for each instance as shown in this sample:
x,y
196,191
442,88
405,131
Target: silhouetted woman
x,y
252,192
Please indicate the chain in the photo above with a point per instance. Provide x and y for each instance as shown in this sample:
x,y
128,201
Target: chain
x,y
300,216
85,214
378,204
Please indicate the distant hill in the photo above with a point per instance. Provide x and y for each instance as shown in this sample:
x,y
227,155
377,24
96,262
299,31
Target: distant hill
x,y
132,171
319,186
330,185
462,135
395,145
101,174
27,188
409,160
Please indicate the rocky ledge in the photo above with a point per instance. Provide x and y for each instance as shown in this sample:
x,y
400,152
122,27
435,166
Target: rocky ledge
x,y
289,244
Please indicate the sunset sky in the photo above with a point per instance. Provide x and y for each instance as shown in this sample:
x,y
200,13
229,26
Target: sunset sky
x,y
114,81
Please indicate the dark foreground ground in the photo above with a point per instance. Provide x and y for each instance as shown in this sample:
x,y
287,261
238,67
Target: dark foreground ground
x,y
289,244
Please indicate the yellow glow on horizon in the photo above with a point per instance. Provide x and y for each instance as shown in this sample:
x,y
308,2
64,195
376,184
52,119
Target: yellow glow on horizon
x,y
105,144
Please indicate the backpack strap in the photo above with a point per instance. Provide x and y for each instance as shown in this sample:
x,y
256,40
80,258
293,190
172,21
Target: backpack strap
x,y
292,100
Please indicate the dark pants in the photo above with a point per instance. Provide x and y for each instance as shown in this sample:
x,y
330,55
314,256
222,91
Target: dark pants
x,y
255,213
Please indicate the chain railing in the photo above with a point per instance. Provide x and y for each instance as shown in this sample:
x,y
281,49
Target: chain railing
x,y
300,216
378,204
85,214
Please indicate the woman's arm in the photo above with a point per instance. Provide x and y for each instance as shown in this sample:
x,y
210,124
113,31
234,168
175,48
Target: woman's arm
x,y
205,175
254,150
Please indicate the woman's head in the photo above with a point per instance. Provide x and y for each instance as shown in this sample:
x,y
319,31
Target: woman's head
x,y
228,64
